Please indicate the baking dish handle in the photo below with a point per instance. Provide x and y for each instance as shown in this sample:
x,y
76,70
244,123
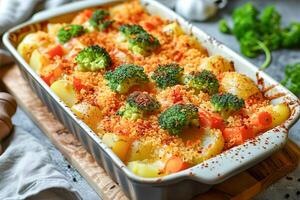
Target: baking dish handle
x,y
237,159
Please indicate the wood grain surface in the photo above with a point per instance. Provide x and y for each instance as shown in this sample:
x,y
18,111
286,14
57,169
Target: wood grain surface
x,y
242,186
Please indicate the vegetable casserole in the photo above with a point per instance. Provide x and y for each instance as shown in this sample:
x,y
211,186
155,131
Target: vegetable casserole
x,y
150,91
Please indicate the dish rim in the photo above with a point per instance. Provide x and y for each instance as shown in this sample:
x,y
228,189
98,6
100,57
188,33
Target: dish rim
x,y
199,172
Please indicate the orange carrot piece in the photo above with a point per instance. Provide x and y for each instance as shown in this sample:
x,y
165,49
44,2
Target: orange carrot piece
x,y
211,120
237,135
265,119
56,51
261,122
175,164
88,13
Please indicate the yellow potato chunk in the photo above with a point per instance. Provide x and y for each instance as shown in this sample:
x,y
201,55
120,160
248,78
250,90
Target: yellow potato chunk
x,y
238,84
212,143
216,64
280,113
146,169
141,151
173,29
65,91
33,41
119,144
38,60
53,29
90,114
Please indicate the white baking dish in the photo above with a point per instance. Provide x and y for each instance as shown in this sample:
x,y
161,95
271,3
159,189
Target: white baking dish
x,y
184,184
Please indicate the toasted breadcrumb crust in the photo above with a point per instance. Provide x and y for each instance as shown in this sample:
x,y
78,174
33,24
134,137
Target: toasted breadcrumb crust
x,y
183,49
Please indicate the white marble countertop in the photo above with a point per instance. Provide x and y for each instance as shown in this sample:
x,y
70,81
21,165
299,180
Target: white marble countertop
x,y
288,187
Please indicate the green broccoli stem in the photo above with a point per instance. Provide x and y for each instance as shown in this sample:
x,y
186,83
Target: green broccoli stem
x,y
268,55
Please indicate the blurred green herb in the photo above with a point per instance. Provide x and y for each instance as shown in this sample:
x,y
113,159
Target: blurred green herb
x,y
292,78
261,32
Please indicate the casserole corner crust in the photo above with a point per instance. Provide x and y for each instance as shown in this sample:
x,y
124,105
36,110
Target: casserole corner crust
x,y
150,91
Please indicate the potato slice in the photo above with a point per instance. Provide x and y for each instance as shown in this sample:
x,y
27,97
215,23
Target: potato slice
x,y
212,143
146,169
141,151
65,91
280,113
90,114
53,29
216,64
173,29
238,84
33,41
119,144
38,60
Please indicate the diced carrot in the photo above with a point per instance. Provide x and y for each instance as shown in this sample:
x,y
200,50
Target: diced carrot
x,y
88,13
211,120
149,26
237,135
261,121
56,51
47,79
265,119
77,84
51,76
175,164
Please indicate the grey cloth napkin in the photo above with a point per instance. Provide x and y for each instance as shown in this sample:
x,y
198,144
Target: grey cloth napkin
x,y
27,171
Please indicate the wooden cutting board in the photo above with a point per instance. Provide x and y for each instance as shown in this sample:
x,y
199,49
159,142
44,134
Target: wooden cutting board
x,y
242,186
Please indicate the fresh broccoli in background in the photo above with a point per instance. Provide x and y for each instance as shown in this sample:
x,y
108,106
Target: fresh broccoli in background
x,y
125,76
69,31
100,19
138,104
226,103
259,33
244,20
291,36
178,117
292,78
223,26
93,58
251,47
140,42
269,26
204,81
167,75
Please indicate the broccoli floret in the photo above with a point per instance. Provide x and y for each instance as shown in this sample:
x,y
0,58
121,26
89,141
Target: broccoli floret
x,y
204,81
138,104
140,42
292,77
291,36
100,19
126,76
131,30
178,117
93,58
69,31
226,103
167,75
143,44
223,26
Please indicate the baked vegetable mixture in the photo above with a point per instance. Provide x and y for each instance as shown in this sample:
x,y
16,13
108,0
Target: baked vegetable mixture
x,y
151,92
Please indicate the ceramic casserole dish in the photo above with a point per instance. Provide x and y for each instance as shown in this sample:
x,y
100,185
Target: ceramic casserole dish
x,y
184,184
